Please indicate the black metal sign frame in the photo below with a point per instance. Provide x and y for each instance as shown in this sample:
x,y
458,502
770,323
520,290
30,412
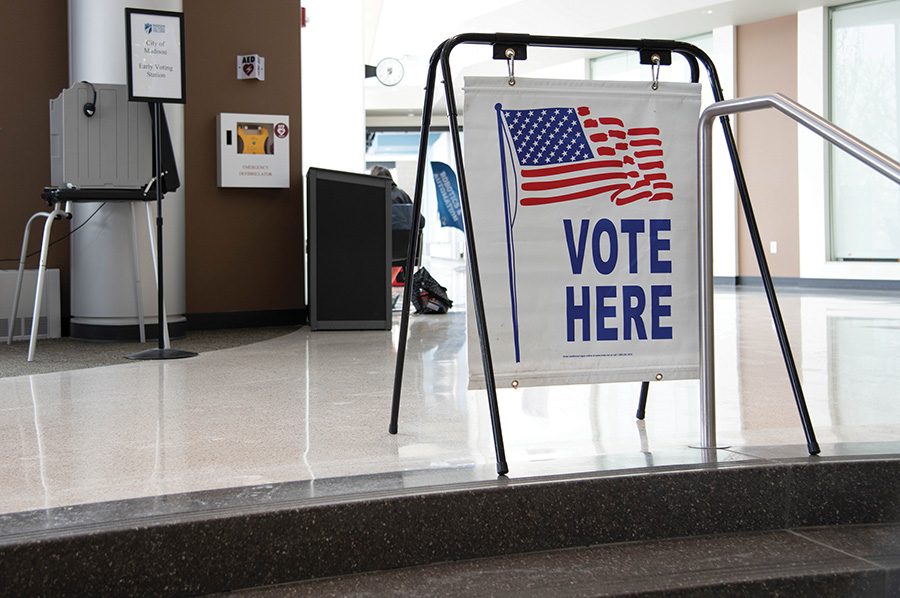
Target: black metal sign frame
x,y
441,56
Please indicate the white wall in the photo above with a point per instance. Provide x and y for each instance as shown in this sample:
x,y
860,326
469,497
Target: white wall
x,y
332,59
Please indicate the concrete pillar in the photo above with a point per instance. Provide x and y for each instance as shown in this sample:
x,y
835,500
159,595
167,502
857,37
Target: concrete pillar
x,y
102,274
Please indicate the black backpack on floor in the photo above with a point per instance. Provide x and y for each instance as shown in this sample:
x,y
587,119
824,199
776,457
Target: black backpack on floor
x,y
428,296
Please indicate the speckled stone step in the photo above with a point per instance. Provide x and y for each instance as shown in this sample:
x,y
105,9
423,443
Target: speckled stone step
x,y
226,540
831,561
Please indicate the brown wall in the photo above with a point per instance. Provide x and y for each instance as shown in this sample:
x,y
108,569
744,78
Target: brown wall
x,y
34,44
767,142
244,246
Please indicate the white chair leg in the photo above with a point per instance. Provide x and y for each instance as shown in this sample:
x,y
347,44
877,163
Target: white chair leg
x,y
161,318
15,305
137,276
42,269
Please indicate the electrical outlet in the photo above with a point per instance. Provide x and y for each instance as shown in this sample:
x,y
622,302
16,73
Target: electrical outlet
x,y
773,246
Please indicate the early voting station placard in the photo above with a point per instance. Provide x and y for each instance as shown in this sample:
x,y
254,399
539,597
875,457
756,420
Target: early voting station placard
x,y
584,208
154,61
155,56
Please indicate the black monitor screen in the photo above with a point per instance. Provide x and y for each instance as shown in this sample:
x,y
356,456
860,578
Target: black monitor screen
x,y
349,250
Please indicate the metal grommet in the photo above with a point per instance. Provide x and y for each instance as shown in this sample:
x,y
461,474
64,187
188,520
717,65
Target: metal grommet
x,y
510,65
515,383
659,377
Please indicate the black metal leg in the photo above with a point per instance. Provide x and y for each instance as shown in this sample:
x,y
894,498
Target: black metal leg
x,y
787,354
161,352
811,443
480,320
413,239
642,401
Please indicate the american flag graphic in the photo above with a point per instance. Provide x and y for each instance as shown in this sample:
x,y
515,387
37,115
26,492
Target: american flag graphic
x,y
566,154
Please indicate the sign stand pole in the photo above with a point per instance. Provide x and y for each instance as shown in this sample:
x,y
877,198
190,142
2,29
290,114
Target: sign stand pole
x,y
414,239
642,401
163,351
154,43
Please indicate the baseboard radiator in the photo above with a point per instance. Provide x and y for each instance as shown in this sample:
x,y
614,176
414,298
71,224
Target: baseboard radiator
x,y
49,321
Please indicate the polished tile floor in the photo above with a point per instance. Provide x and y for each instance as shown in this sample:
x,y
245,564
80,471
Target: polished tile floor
x,y
313,405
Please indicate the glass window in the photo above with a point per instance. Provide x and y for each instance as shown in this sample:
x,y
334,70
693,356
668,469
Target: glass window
x,y
626,66
865,58
399,151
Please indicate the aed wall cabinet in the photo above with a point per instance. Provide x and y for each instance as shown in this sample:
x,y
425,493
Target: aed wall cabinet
x,y
349,234
253,150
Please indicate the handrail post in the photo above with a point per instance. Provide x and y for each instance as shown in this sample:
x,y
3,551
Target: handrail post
x,y
707,340
858,149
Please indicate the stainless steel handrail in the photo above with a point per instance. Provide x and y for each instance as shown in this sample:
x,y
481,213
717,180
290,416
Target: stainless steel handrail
x,y
860,150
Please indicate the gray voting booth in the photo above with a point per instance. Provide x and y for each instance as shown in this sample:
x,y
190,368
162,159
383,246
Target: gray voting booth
x,y
112,148
101,150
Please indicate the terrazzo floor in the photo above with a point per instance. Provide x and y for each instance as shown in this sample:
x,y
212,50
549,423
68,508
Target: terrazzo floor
x,y
314,405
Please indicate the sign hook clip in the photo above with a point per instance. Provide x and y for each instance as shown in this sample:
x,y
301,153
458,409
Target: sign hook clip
x,y
510,54
655,61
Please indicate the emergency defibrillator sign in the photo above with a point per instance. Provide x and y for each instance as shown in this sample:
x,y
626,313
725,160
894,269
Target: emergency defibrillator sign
x,y
584,208
251,66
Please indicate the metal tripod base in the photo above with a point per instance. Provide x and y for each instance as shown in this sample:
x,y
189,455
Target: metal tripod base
x,y
161,354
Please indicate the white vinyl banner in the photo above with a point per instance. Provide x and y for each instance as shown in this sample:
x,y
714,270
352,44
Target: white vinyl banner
x,y
584,208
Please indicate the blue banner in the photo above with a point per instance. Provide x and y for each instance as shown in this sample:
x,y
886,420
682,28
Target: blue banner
x,y
447,195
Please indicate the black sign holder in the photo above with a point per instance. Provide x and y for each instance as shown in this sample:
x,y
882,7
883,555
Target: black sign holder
x,y
512,47
139,93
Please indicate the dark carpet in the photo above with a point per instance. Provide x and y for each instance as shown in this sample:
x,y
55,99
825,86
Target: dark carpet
x,y
54,355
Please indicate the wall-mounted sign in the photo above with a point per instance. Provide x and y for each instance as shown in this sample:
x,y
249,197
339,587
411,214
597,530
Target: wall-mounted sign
x,y
155,55
251,66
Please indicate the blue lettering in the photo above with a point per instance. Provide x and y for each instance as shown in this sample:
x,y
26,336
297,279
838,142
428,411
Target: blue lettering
x,y
658,266
605,311
576,256
632,228
633,312
659,310
605,266
578,312
633,302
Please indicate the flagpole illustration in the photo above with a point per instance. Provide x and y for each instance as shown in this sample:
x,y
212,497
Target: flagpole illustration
x,y
510,244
